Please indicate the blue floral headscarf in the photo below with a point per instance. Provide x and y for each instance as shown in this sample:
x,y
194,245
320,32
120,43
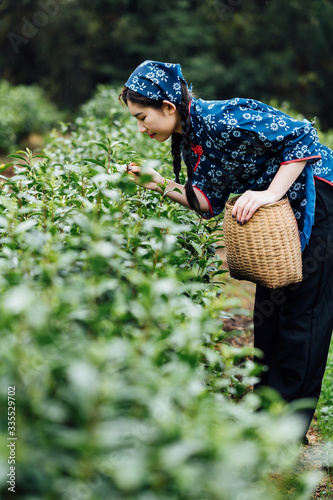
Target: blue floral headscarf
x,y
158,81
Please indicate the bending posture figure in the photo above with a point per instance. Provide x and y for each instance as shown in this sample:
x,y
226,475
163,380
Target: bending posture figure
x,y
246,147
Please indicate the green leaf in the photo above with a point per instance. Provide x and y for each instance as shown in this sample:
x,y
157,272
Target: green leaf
x,y
41,156
27,152
220,271
101,145
4,166
171,191
25,226
116,143
17,156
196,247
93,160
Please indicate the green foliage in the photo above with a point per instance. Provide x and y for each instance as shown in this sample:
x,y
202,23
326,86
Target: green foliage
x,y
103,104
111,328
227,48
23,110
325,405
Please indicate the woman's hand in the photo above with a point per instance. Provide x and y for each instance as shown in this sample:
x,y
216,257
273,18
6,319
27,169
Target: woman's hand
x,y
134,170
249,202
171,189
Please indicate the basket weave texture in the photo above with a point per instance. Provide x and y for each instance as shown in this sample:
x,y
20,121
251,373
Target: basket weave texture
x,y
265,250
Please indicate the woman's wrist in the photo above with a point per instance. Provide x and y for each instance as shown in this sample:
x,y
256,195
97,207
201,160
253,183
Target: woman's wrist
x,y
162,183
274,194
285,177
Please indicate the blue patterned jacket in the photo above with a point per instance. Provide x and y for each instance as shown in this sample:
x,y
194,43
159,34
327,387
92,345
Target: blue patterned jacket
x,y
239,144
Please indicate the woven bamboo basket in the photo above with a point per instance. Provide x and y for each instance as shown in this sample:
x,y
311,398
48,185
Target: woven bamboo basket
x,y
265,250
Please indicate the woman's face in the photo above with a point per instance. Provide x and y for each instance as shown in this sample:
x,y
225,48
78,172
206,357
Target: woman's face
x,y
159,124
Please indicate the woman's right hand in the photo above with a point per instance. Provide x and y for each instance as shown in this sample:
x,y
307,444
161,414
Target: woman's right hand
x,y
172,190
134,170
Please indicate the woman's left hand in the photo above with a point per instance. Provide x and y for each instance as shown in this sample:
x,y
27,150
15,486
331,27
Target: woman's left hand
x,y
249,202
156,178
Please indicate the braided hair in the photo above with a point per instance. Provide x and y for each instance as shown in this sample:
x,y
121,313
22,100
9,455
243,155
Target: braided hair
x,y
180,143
184,146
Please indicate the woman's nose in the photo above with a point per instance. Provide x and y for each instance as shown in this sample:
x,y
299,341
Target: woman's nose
x,y
142,128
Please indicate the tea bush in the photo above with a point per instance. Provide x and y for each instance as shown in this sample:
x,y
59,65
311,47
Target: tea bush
x,y
325,404
111,329
23,110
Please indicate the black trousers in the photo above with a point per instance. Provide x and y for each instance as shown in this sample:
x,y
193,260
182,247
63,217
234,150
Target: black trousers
x,y
293,325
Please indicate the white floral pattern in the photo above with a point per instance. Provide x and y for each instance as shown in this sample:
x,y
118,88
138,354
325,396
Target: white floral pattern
x,y
244,143
157,81
239,144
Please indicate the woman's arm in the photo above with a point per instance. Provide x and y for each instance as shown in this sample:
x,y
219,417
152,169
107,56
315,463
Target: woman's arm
x,y
157,179
250,201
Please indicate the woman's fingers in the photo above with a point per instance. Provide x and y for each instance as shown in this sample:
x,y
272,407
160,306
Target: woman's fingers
x,y
249,202
244,208
132,167
246,212
135,171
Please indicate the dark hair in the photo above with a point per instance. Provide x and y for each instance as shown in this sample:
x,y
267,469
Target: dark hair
x,y
180,143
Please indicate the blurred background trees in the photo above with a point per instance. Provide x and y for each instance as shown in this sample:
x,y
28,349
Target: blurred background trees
x,y
267,50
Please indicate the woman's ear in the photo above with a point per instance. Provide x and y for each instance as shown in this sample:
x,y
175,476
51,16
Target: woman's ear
x,y
169,107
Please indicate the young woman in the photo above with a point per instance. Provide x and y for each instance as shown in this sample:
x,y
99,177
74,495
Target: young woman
x,y
245,146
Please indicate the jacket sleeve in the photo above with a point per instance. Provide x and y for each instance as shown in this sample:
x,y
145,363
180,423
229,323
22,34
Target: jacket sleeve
x,y
248,128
